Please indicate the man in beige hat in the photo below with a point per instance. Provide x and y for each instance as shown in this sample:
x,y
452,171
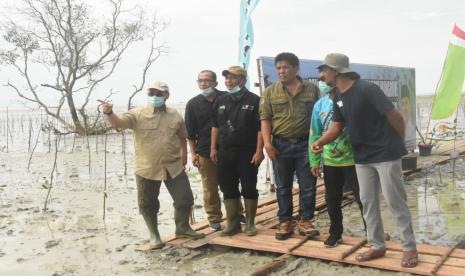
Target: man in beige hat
x,y
376,131
237,148
160,155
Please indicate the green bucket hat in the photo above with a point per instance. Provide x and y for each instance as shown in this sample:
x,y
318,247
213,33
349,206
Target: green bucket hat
x,y
337,62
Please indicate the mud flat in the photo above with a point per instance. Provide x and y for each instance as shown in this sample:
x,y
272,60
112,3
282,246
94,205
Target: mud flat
x,y
71,238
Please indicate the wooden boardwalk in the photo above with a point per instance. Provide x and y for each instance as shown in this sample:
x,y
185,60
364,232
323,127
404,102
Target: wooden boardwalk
x,y
445,261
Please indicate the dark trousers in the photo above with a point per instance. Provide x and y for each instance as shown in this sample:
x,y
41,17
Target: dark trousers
x,y
335,180
293,158
235,166
148,191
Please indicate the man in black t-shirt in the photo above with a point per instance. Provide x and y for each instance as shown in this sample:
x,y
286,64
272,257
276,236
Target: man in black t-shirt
x,y
237,147
198,118
376,132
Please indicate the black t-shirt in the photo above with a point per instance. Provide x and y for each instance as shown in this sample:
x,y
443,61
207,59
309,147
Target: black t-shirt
x,y
236,115
362,109
198,117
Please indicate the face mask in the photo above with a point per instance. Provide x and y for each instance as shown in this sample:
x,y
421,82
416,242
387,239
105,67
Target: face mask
x,y
207,92
324,87
156,101
235,89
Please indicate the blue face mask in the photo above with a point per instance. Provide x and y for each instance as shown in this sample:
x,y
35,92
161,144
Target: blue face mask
x,y
235,89
324,87
156,101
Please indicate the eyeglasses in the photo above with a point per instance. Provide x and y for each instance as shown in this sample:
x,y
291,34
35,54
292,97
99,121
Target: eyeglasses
x,y
204,81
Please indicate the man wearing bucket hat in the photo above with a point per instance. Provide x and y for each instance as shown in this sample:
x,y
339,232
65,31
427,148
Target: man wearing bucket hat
x,y
285,110
376,132
338,163
237,148
160,155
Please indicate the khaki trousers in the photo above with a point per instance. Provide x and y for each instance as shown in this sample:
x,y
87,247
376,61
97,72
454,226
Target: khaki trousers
x,y
211,198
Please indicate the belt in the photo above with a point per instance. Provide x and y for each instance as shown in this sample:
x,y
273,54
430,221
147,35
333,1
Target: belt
x,y
292,140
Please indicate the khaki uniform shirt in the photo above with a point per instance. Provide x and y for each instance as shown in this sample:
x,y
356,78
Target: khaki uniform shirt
x,y
156,141
289,114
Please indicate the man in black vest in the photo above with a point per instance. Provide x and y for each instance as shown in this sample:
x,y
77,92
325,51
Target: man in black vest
x,y
237,147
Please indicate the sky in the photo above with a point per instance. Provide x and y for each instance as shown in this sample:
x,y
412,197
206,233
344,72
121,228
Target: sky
x,y
203,34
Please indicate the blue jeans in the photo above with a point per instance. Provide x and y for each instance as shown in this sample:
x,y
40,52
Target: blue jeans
x,y
293,158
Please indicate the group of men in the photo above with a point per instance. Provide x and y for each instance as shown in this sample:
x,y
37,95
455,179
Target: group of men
x,y
359,141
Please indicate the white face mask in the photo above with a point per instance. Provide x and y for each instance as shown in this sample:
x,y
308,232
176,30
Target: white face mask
x,y
207,92
235,89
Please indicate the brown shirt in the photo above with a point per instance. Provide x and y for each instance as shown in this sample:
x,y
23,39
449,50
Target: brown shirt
x,y
289,114
156,141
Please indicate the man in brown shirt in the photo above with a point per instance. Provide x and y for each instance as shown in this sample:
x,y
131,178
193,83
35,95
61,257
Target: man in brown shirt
x,y
285,111
160,155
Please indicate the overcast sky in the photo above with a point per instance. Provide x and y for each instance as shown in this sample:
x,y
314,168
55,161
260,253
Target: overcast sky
x,y
203,34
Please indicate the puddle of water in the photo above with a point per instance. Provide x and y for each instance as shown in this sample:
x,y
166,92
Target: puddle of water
x,y
441,212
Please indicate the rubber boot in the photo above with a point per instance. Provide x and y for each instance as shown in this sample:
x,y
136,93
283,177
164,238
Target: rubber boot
x,y
241,213
183,229
233,225
250,212
152,224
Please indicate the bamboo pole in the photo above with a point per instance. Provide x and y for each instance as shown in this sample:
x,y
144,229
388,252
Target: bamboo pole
x,y
7,129
57,141
273,266
33,149
124,153
105,177
29,136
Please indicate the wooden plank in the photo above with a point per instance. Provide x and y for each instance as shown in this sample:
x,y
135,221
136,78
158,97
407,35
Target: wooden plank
x,y
201,242
354,248
443,258
439,155
269,239
316,249
446,148
266,217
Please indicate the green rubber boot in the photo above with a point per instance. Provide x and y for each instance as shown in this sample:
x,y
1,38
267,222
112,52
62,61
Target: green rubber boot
x,y
233,225
250,212
183,229
155,240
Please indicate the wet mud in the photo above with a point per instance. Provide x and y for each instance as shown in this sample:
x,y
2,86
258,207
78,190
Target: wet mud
x,y
71,237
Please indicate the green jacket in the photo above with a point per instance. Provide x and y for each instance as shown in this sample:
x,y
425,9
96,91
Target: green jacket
x,y
337,153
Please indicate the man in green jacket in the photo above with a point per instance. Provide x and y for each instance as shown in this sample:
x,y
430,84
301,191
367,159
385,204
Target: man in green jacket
x,y
338,163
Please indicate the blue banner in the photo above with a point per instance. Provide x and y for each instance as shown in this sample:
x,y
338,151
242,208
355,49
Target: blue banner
x,y
246,36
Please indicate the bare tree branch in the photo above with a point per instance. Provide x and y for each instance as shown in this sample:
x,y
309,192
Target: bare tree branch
x,y
79,51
